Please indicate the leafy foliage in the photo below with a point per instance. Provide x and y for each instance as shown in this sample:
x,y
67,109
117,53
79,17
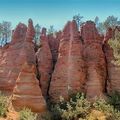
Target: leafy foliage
x,y
3,105
5,32
107,109
114,100
111,21
51,30
46,116
76,108
78,18
37,34
27,114
115,45
99,25
79,108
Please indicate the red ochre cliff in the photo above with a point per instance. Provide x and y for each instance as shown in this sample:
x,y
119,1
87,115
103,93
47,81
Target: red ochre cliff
x,y
70,61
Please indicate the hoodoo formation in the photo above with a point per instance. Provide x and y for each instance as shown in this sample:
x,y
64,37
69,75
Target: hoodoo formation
x,y
44,58
70,61
113,70
11,60
27,91
69,72
94,59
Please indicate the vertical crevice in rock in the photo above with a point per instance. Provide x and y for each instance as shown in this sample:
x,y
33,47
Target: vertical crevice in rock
x,y
37,72
82,40
54,41
107,76
48,96
54,47
44,59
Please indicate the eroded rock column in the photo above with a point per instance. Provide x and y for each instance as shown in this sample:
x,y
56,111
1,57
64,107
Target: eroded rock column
x,y
10,60
95,60
68,76
27,92
45,63
113,70
54,45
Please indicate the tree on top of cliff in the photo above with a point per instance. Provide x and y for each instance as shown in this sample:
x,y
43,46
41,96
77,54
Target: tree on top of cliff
x,y
78,18
115,45
51,30
96,20
112,22
99,25
37,33
5,32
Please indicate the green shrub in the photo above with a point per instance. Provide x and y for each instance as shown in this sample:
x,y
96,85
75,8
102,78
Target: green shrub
x,y
114,100
115,45
27,114
78,107
46,116
3,105
56,113
107,109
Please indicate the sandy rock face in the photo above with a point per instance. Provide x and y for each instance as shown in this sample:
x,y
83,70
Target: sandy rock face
x,y
67,63
95,60
10,61
54,45
27,92
68,75
44,58
113,71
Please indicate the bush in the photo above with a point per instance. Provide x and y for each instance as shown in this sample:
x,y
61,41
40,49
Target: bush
x,y
107,109
56,113
3,105
27,114
96,115
46,116
115,45
78,107
114,100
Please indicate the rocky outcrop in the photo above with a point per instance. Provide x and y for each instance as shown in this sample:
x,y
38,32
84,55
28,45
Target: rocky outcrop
x,y
108,55
95,60
54,45
44,59
27,92
113,79
10,62
69,62
69,74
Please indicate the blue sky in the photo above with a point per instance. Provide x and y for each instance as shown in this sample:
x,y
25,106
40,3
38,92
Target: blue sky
x,y
56,12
